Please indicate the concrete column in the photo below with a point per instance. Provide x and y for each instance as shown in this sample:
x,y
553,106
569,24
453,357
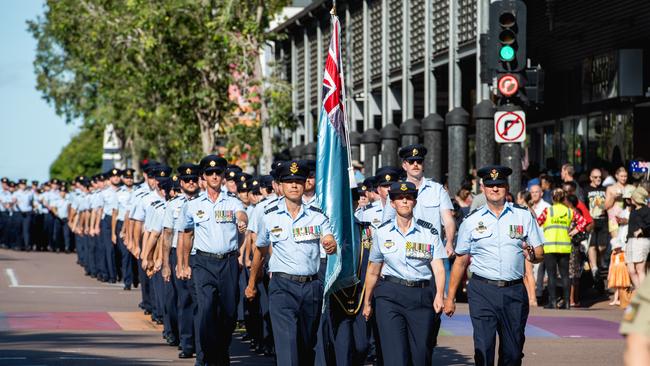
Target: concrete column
x,y
410,131
385,108
294,86
320,64
355,145
432,127
485,144
511,157
457,121
371,139
367,117
389,144
407,87
310,151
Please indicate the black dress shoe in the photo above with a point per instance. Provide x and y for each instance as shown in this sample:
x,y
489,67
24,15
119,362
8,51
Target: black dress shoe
x,y
172,342
147,312
127,288
184,354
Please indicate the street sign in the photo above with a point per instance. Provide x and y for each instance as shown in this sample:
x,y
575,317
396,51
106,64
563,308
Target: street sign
x,y
508,85
509,127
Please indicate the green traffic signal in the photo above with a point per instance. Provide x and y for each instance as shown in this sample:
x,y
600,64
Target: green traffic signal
x,y
507,53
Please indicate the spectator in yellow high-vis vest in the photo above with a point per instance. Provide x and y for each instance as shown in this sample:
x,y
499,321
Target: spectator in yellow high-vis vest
x,y
559,223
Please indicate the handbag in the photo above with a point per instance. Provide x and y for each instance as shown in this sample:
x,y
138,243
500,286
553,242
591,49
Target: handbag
x,y
625,297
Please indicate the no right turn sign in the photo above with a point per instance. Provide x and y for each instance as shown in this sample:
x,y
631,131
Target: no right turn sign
x,y
509,127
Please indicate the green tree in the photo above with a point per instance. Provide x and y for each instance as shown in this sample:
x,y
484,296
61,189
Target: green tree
x,y
159,72
82,156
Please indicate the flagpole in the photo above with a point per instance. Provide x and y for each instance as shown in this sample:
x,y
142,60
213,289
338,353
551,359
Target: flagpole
x,y
351,178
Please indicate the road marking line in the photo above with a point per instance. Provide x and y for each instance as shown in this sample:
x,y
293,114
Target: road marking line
x,y
13,358
13,281
66,287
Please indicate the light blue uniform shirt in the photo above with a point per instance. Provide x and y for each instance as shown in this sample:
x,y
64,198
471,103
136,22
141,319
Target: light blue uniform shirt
x,y
172,214
152,200
142,204
123,201
157,216
432,198
5,199
24,200
296,243
84,201
373,213
109,195
406,256
255,220
496,244
136,197
62,208
96,200
214,223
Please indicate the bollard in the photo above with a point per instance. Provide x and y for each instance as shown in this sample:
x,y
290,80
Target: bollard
x,y
389,145
432,127
410,131
370,140
457,120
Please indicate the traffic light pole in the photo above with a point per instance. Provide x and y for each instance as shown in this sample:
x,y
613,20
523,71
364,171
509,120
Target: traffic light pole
x,y
511,156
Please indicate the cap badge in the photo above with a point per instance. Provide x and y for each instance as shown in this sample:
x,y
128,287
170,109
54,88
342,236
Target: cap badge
x,y
387,177
364,188
232,174
114,171
293,168
242,179
415,152
162,174
188,171
403,187
174,178
255,182
494,174
244,185
213,163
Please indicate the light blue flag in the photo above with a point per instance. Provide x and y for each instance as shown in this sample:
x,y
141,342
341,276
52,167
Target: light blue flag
x,y
334,175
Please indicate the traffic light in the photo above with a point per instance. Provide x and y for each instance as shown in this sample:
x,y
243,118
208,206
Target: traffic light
x,y
506,48
508,35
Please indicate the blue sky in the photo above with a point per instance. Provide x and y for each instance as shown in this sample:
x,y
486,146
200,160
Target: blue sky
x,y
31,134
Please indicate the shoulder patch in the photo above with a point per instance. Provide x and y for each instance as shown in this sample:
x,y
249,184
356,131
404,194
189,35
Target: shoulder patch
x,y
472,212
427,225
317,209
271,209
159,205
384,224
520,207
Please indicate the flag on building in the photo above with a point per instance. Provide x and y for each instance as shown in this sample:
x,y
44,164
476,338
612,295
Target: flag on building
x,y
334,174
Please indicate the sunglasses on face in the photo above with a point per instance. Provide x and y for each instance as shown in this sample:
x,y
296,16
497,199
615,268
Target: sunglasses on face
x,y
213,172
188,180
491,186
412,162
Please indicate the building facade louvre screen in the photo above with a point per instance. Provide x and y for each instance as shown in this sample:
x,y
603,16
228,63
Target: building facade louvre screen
x,y
467,22
440,25
313,65
356,30
375,39
394,35
300,73
417,30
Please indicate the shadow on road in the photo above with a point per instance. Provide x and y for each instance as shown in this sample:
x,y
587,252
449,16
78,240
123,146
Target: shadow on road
x,y
449,356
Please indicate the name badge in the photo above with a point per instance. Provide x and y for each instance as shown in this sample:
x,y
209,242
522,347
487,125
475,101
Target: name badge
x,y
418,250
224,216
516,231
306,233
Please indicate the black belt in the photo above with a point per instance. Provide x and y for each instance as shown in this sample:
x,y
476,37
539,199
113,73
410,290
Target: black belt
x,y
217,256
301,279
498,283
407,283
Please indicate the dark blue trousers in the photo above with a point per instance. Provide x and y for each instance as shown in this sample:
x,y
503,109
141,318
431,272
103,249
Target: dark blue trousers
x,y
80,241
91,243
170,300
48,229
25,230
295,310
4,225
145,288
345,338
184,306
195,314
62,240
126,256
405,319
502,310
217,287
158,296
108,253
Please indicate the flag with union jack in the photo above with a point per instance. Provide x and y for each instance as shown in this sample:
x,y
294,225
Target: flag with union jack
x,y
334,175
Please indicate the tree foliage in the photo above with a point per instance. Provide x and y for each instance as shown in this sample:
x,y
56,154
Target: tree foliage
x,y
82,156
161,72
